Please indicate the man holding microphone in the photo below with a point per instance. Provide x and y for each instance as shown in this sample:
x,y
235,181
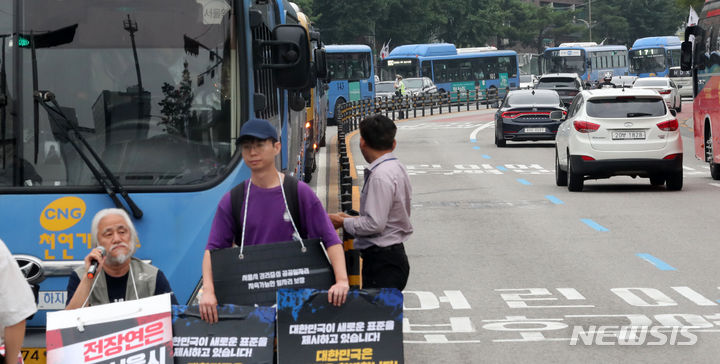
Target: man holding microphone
x,y
111,273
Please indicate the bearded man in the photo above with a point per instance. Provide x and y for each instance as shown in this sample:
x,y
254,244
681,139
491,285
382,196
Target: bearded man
x,y
120,277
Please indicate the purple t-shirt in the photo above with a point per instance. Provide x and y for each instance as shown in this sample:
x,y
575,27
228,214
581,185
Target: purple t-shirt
x,y
266,219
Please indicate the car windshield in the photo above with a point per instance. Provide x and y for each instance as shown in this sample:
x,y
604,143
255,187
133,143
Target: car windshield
x,y
650,82
385,87
414,83
544,98
556,82
625,106
151,98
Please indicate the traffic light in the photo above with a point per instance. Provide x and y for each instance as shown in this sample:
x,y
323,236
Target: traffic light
x,y
49,39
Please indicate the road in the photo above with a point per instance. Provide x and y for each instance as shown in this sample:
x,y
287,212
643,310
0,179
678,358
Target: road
x,y
506,266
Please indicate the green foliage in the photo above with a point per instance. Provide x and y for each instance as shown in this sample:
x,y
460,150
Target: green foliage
x,y
487,22
176,105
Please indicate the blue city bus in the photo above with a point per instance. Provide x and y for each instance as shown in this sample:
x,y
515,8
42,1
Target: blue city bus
x,y
653,56
589,60
160,103
454,68
351,72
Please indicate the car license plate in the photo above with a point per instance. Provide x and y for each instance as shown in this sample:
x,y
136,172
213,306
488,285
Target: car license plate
x,y
535,130
34,355
628,135
52,300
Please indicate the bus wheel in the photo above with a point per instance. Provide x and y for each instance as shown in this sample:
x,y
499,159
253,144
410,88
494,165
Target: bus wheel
x,y
714,167
309,166
322,142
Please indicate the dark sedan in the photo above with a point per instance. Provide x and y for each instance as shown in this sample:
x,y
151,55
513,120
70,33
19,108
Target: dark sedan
x,y
525,116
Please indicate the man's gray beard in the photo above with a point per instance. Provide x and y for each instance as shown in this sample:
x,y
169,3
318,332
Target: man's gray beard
x,y
122,258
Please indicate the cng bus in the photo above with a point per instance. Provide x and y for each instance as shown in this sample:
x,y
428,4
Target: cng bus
x,y
588,59
136,105
653,56
454,68
702,58
351,74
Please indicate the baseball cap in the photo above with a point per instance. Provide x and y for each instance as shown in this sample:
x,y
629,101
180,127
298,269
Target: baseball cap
x,y
258,128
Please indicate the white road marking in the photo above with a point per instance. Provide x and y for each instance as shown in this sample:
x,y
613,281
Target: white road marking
x,y
473,135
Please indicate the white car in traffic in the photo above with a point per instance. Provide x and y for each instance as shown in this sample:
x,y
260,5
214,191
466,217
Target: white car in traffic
x,y
612,132
665,87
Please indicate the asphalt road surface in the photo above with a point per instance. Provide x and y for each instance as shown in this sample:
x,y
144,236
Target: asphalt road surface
x,y
506,267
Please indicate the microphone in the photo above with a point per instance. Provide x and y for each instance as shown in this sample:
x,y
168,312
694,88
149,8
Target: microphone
x,y
94,264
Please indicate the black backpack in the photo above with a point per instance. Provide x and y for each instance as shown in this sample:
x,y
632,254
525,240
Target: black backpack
x,y
290,185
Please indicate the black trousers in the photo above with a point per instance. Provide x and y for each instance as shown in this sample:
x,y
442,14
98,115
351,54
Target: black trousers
x,y
386,267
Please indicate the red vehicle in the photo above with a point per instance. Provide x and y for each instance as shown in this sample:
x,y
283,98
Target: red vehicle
x,y
704,61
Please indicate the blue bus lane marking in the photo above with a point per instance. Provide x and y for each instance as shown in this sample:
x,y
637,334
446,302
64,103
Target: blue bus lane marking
x,y
524,181
594,225
486,156
501,168
476,147
655,261
554,200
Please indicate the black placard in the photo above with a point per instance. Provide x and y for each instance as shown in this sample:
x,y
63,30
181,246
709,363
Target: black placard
x,y
243,334
265,268
366,329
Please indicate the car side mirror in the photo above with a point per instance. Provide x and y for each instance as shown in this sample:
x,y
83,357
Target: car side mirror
x,y
673,112
290,56
686,49
556,115
679,86
320,63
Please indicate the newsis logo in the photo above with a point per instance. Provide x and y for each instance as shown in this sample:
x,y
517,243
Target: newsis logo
x,y
62,213
633,335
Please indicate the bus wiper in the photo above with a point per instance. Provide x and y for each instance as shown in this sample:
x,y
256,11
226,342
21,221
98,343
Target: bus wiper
x,y
637,114
109,182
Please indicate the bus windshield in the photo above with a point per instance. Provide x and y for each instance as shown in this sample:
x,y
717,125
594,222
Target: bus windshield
x,y
151,98
349,66
565,61
649,60
403,67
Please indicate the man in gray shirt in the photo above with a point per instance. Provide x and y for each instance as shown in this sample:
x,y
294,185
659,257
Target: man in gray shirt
x,y
384,221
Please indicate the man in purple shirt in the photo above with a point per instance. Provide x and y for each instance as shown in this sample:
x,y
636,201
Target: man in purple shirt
x,y
266,218
384,221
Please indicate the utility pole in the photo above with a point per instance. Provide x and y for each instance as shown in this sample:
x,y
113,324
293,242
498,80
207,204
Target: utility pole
x,y
590,18
132,27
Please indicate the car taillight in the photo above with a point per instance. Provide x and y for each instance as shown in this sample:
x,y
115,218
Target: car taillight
x,y
509,115
585,126
669,125
587,158
673,156
665,92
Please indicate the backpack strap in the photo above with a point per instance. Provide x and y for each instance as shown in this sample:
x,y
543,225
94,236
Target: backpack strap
x,y
237,200
290,184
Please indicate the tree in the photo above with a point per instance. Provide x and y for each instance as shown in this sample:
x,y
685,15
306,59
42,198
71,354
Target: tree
x,y
636,19
176,104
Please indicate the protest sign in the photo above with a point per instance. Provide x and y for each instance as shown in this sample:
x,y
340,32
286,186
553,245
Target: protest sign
x,y
243,334
130,332
366,329
255,277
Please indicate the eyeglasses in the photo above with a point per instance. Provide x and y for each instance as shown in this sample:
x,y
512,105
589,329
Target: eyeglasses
x,y
255,145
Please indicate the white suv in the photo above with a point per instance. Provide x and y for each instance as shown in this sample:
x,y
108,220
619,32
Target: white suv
x,y
611,132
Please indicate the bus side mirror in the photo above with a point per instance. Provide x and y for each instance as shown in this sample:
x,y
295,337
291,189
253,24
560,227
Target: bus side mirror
x,y
290,57
686,56
320,63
